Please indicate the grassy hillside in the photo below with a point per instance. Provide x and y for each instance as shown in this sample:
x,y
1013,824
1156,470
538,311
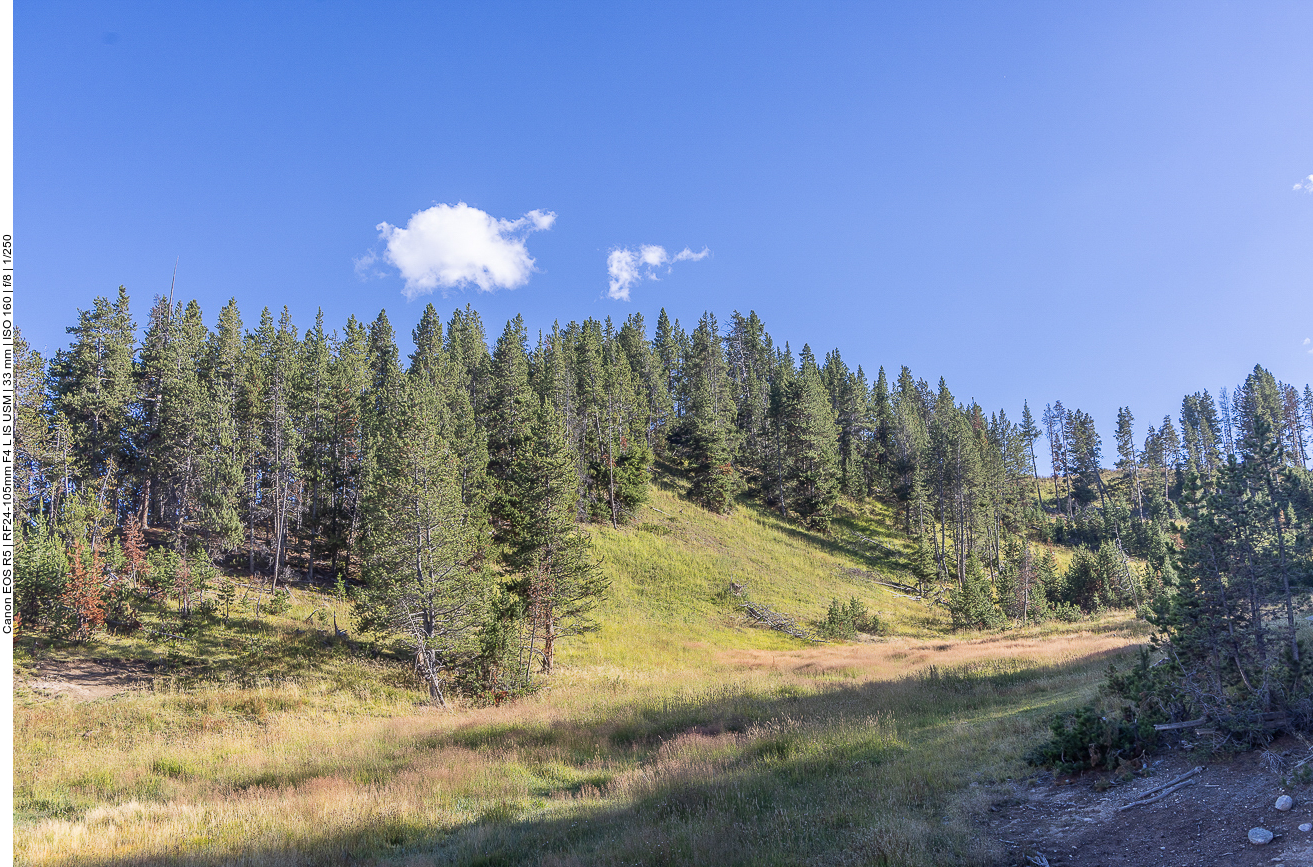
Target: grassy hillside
x,y
671,572
674,734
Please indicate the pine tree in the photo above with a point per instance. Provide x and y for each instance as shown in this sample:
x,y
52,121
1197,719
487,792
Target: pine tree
x,y
180,450
1055,423
848,404
34,465
650,382
511,408
1293,425
878,444
93,390
282,437
669,345
349,375
550,559
311,409
433,361
707,434
424,573
252,415
971,604
750,358
467,350
812,446
221,437
1029,433
150,374
1127,460
621,434
909,440
1169,450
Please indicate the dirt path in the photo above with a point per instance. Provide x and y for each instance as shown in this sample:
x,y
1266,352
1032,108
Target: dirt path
x,y
84,680
1206,823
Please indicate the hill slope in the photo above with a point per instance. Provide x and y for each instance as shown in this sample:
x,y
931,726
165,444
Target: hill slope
x,y
674,734
671,572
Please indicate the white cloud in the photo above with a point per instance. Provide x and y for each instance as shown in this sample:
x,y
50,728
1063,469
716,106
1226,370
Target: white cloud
x,y
626,267
1308,340
1306,185
450,246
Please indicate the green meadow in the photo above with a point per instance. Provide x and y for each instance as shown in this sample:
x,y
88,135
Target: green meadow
x,y
676,733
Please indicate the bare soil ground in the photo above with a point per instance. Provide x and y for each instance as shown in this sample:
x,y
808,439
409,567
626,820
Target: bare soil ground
x,y
1070,822
85,679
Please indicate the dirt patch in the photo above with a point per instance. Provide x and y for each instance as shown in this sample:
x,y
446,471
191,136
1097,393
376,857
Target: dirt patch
x,y
1070,822
86,679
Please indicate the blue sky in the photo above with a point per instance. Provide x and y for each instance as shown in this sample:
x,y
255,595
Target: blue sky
x,y
1036,201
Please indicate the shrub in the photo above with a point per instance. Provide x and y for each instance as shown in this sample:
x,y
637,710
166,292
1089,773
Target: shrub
x,y
279,602
972,605
1086,740
845,621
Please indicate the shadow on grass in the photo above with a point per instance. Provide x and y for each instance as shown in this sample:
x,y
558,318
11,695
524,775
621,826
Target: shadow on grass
x,y
871,773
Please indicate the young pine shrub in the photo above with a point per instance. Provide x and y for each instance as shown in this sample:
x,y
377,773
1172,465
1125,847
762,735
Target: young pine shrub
x,y
844,622
972,605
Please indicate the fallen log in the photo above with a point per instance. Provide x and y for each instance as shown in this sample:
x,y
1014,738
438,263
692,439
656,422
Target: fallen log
x,y
1164,790
1156,798
775,620
876,578
868,540
1188,724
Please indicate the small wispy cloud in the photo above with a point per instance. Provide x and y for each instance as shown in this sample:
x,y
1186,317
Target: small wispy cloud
x,y
1305,185
626,267
451,246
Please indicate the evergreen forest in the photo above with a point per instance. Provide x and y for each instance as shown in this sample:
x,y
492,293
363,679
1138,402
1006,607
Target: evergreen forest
x,y
443,492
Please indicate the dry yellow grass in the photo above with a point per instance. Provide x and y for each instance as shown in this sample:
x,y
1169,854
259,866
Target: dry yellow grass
x,y
674,734
607,765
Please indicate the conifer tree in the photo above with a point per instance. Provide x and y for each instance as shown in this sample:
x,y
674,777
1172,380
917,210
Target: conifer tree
x,y
467,349
221,477
812,446
1055,422
707,434
33,462
847,396
180,450
971,604
349,376
424,573
1169,449
1127,461
150,374
878,445
441,364
311,407
550,559
1030,432
750,358
83,593
511,408
621,434
670,345
650,382
282,437
93,390
252,417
